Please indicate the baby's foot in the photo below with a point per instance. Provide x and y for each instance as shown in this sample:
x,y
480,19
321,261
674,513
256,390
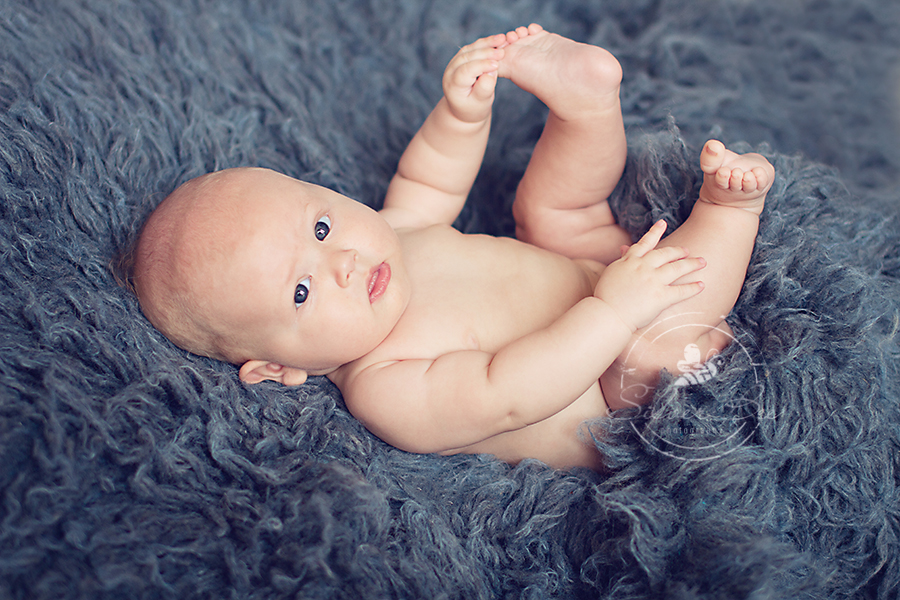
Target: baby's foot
x,y
572,79
739,180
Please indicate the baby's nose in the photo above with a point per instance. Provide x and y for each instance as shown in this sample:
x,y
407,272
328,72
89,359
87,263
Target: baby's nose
x,y
344,263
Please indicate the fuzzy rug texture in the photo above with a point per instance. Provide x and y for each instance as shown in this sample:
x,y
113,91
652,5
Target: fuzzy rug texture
x,y
129,469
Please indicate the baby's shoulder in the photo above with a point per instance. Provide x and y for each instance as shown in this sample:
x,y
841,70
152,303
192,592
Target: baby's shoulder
x,y
365,380
394,349
405,220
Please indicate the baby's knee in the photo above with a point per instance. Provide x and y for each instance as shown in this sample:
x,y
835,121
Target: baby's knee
x,y
692,353
682,346
716,339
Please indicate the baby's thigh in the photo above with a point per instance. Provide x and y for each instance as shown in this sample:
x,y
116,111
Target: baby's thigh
x,y
587,232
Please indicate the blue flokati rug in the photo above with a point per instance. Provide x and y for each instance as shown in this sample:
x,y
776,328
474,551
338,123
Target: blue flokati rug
x,y
129,469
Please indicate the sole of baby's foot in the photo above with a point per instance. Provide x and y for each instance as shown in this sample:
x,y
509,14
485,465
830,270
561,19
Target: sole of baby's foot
x,y
572,79
731,179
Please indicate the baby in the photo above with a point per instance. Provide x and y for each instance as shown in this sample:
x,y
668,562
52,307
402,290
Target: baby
x,y
446,342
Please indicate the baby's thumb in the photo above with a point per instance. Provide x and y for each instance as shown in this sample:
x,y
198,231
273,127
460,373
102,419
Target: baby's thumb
x,y
484,86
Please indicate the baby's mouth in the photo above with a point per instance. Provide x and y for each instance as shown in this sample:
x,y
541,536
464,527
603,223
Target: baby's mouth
x,y
379,281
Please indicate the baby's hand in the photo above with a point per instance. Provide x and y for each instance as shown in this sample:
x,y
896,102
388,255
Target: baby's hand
x,y
470,79
639,285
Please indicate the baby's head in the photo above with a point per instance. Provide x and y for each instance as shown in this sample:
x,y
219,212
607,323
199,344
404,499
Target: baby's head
x,y
281,277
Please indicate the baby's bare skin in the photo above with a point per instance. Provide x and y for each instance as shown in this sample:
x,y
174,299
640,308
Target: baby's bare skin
x,y
491,291
557,207
520,289
445,342
479,293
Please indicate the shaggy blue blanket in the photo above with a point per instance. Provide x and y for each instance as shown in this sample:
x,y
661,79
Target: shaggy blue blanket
x,y
129,469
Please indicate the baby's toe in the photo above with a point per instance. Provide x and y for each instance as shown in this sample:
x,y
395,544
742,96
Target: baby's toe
x,y
712,156
762,177
749,182
730,178
725,178
737,180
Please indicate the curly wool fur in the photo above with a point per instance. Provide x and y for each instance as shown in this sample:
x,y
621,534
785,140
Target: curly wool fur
x,y
130,469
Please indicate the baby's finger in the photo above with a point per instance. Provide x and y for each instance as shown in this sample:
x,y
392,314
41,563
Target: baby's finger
x,y
649,241
491,41
466,56
657,257
485,85
683,291
675,270
466,74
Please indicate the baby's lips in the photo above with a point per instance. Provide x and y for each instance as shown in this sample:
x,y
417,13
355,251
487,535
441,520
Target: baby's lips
x,y
379,281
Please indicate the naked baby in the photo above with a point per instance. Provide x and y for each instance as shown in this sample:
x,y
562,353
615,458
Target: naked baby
x,y
446,342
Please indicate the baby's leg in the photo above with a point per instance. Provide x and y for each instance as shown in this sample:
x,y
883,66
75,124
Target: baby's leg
x,y
722,229
561,201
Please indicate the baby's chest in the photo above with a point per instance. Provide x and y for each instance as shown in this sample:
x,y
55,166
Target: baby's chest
x,y
483,293
464,316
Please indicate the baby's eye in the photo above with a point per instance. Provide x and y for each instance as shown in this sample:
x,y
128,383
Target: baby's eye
x,y
323,226
301,294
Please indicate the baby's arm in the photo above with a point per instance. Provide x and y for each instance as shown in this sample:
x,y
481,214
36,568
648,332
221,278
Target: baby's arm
x,y
438,168
464,397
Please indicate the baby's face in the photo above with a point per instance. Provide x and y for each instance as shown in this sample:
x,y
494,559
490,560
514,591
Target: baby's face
x,y
315,279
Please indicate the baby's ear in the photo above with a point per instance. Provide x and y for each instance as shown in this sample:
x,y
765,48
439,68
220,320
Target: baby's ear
x,y
255,371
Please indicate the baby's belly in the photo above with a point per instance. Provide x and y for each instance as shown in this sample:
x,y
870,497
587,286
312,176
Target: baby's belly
x,y
562,440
